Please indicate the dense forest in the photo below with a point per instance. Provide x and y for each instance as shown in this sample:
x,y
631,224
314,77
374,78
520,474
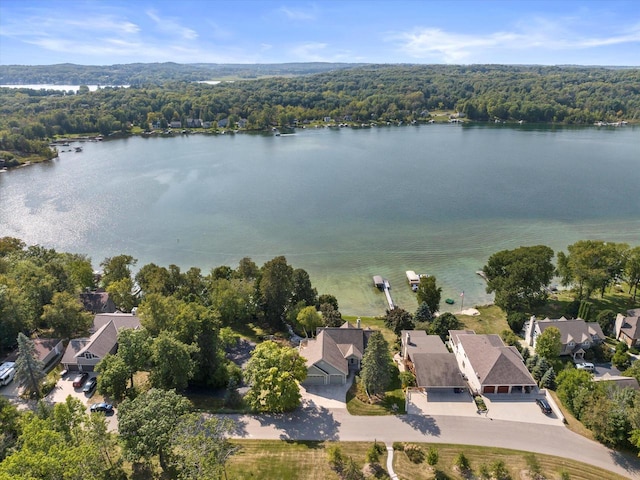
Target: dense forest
x,y
358,95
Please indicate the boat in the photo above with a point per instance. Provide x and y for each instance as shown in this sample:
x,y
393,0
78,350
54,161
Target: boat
x,y
78,149
449,301
483,275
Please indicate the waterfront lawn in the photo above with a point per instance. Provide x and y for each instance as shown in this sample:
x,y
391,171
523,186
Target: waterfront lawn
x,y
375,323
491,320
616,299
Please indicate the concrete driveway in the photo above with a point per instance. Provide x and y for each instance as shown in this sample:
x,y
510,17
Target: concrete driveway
x,y
512,408
326,396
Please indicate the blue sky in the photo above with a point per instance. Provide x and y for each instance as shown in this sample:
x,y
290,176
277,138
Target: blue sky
x,y
602,32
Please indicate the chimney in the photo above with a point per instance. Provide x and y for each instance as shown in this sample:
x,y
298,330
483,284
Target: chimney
x,y
358,323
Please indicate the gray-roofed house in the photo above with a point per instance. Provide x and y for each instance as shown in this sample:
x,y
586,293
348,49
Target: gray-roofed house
x,y
82,354
619,381
427,357
627,327
97,302
489,365
334,353
576,335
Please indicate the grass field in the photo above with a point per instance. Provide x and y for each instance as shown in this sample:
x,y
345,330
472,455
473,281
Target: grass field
x,y
273,459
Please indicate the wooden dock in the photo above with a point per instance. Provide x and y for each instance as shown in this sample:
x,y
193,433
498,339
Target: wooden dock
x,y
384,285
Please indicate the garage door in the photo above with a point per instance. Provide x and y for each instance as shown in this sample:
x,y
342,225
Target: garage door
x,y
336,379
488,389
314,380
503,389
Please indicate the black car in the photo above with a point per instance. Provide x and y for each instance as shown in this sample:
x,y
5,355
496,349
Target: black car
x,y
90,386
544,406
102,407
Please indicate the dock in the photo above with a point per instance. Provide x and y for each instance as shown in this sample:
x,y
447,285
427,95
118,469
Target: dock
x,y
384,285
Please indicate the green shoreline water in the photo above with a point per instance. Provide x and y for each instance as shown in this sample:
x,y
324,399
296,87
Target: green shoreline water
x,y
343,204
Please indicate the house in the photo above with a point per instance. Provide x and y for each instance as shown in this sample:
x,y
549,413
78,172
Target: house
x,y
194,123
427,357
206,124
618,381
334,353
48,351
82,354
242,123
223,123
489,365
627,327
576,335
175,124
97,302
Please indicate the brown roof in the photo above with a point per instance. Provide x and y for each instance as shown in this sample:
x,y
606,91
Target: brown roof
x,y
44,346
577,331
619,381
631,325
72,349
437,370
493,362
101,342
97,302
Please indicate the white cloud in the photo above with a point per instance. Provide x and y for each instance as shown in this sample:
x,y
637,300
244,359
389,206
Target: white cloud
x,y
299,14
538,34
171,26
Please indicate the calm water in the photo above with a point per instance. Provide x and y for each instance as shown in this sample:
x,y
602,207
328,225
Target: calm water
x,y
343,204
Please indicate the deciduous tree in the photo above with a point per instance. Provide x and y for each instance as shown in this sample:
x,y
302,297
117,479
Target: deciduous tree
x,y
309,319
172,363
116,268
519,277
549,344
114,373
276,285
399,319
146,424
429,293
66,315
443,323
273,373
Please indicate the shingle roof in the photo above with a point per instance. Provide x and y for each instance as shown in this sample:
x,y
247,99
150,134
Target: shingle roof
x,y
631,326
577,330
120,321
619,381
420,342
101,342
335,344
437,370
75,345
97,302
493,362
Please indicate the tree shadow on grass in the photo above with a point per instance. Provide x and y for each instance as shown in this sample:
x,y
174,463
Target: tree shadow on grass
x,y
424,424
304,424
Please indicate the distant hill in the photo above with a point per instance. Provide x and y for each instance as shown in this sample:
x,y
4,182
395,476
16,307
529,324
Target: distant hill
x,y
154,73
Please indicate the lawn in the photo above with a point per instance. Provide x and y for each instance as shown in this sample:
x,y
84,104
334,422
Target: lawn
x,y
357,403
375,323
491,320
274,459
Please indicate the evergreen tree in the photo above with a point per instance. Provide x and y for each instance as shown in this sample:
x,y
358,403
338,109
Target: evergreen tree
x,y
423,313
540,369
376,365
549,379
29,369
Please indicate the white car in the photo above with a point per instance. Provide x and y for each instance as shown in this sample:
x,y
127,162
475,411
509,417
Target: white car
x,y
590,367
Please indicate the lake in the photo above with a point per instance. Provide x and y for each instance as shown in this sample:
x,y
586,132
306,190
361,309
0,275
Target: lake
x,y
344,204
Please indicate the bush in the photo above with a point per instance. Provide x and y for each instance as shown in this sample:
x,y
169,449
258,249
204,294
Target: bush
x,y
336,459
407,379
499,470
634,350
414,453
398,446
516,321
373,456
482,407
462,462
433,456
571,311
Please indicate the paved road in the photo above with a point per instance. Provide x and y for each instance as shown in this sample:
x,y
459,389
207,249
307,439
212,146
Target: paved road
x,y
319,423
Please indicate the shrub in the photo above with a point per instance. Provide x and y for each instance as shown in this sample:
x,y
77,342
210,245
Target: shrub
x,y
398,446
432,456
373,456
634,350
407,379
533,465
483,472
462,462
414,453
482,407
336,459
571,311
499,470
516,321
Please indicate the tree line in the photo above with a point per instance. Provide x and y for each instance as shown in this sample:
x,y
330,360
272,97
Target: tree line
x,y
361,94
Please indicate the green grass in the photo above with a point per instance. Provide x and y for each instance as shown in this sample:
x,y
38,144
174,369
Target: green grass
x,y
275,459
357,403
491,320
375,323
616,299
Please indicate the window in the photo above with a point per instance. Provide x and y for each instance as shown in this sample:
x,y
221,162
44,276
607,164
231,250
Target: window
x,y
571,344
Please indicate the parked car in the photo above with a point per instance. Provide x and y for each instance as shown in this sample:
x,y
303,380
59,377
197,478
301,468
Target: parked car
x,y
544,406
101,407
91,385
80,379
590,367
